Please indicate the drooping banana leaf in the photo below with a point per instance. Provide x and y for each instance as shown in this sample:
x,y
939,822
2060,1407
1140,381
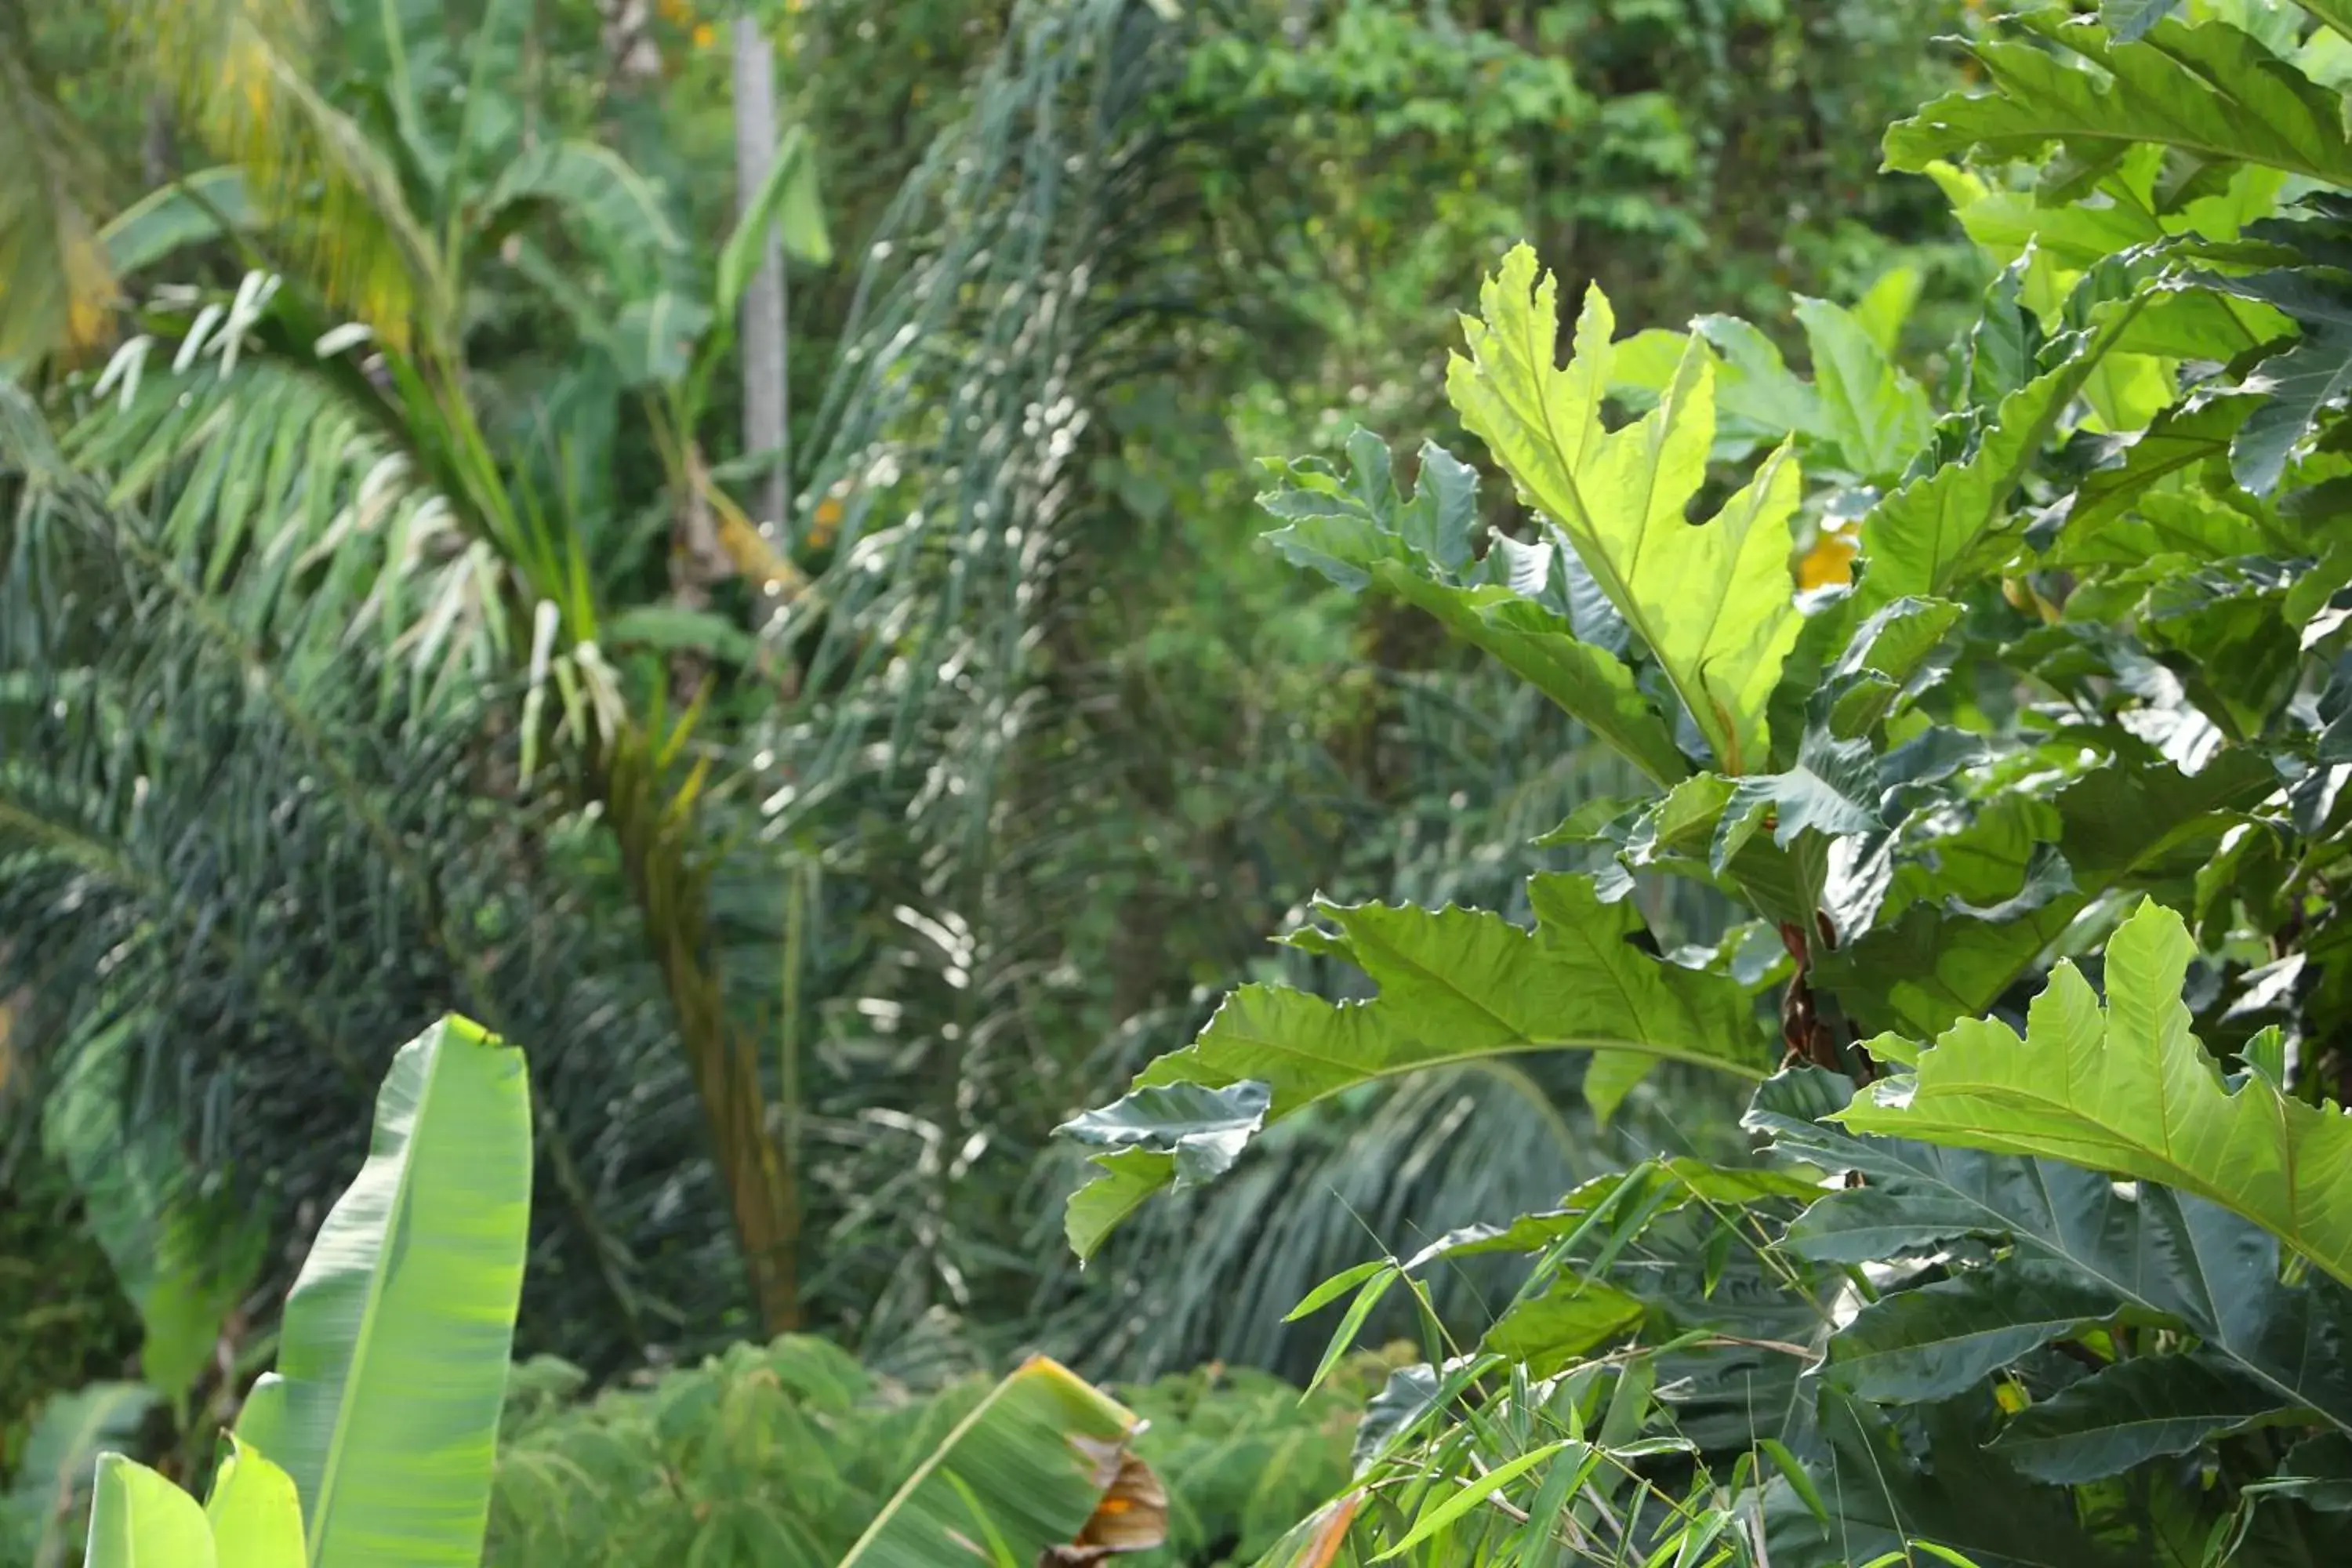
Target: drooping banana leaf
x,y
394,1352
1020,1475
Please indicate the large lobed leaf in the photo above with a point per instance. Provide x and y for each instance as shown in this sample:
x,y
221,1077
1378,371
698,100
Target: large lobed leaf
x,y
2211,91
394,1350
1525,604
2118,827
2127,1087
1949,522
1455,985
2077,1251
1862,406
1713,604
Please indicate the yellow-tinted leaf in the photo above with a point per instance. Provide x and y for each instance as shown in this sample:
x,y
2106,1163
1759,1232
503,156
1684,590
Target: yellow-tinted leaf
x,y
1714,603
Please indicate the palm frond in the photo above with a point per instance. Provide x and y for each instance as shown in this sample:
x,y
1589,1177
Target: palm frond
x,y
58,288
336,212
309,519
260,874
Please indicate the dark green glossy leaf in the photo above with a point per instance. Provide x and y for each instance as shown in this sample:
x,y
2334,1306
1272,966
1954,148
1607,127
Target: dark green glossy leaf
x,y
2148,1250
2117,824
1881,1498
2129,20
2299,385
1940,1340
2131,1413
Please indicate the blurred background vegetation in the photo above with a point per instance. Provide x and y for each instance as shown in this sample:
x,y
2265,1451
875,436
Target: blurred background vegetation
x,y
811,681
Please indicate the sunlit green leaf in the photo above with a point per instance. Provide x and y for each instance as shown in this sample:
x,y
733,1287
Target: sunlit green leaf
x,y
2126,1087
1714,603
138,1518
1515,602
256,1519
2210,89
1455,985
393,1357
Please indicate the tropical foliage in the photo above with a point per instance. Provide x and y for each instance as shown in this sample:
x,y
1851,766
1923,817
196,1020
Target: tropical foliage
x,y
385,1412
2031,810
716,539
785,1453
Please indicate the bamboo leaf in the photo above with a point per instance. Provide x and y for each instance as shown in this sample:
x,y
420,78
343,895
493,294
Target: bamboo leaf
x,y
1454,1504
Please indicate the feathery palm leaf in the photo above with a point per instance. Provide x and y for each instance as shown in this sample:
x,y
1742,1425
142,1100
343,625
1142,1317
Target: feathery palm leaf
x,y
239,73
255,870
56,288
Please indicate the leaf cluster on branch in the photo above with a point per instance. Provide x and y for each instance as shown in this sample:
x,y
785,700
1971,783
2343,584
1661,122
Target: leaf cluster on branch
x,y
2038,789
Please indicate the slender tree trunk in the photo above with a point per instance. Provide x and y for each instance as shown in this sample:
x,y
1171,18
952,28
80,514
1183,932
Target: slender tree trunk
x,y
761,331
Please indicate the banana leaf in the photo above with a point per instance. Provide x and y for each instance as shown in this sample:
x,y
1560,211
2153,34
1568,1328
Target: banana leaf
x,y
1019,1479
393,1353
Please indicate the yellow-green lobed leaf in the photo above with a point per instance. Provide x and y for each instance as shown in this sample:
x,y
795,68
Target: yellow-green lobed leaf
x,y
2126,1087
1715,602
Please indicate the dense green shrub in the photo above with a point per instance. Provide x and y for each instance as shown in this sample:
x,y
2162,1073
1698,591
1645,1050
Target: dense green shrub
x,y
780,1455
